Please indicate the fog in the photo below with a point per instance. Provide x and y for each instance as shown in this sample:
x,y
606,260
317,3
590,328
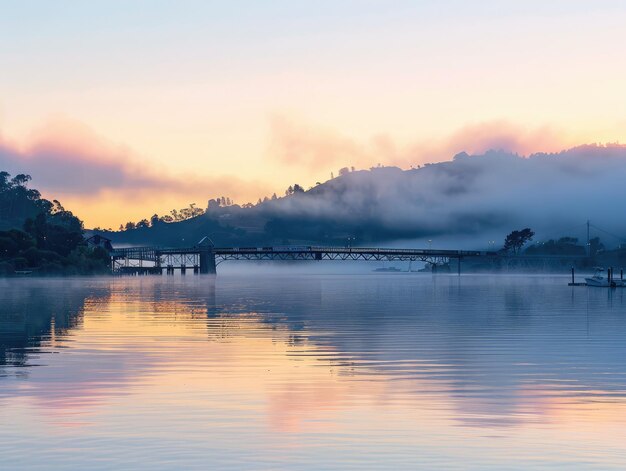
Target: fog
x,y
474,198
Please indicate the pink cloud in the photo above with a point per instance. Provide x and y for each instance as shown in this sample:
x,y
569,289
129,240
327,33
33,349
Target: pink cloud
x,y
296,143
69,158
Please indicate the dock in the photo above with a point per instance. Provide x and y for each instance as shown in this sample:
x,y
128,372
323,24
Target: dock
x,y
611,283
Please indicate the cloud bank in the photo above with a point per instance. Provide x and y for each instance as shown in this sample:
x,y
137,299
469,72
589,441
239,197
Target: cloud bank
x,y
69,158
107,183
298,143
475,195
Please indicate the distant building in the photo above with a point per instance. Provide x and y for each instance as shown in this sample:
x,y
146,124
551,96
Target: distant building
x,y
97,240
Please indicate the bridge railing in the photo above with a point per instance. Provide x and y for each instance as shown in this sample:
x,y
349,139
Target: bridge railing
x,y
154,252
377,250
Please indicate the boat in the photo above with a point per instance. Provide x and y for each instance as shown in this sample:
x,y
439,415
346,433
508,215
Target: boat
x,y
600,280
388,270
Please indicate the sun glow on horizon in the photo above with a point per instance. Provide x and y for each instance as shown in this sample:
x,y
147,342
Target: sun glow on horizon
x,y
198,100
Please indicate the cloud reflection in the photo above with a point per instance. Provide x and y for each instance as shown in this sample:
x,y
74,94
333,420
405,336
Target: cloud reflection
x,y
298,356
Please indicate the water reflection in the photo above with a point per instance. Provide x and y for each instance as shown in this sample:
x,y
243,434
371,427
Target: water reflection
x,y
237,372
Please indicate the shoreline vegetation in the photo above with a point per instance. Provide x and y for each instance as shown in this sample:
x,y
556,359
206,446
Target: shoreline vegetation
x,y
41,237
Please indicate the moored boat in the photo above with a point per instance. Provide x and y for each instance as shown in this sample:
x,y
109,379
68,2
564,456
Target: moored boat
x,y
600,280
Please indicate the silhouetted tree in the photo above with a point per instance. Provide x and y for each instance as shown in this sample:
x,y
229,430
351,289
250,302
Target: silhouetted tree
x,y
595,246
517,239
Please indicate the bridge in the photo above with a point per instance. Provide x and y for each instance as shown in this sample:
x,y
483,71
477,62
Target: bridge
x,y
204,257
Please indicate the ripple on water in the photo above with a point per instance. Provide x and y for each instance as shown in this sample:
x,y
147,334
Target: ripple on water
x,y
313,372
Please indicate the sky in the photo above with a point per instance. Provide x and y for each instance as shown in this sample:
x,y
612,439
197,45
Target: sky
x,y
123,109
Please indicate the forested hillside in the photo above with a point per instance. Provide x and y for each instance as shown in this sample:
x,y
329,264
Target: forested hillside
x,y
41,236
472,198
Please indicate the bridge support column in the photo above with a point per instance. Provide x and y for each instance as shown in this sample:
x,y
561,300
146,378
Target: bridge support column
x,y
183,269
207,261
459,266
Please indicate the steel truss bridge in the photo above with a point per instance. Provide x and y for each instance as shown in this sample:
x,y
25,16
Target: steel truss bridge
x,y
204,258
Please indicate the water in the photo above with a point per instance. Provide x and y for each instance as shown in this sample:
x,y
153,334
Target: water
x,y
387,371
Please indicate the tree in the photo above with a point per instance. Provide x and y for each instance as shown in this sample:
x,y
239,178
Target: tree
x,y
21,179
517,239
344,171
297,188
143,223
595,246
4,180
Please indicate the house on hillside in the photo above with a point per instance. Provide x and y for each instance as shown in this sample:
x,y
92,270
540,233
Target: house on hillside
x,y
97,240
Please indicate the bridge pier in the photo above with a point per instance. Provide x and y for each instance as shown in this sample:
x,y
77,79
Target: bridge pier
x,y
207,261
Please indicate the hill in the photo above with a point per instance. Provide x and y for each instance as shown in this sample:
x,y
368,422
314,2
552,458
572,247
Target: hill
x,y
469,199
41,236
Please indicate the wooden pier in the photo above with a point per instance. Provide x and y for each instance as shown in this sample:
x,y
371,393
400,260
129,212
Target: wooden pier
x,y
611,283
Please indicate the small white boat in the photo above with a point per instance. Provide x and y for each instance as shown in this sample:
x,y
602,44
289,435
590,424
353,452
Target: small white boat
x,y
600,280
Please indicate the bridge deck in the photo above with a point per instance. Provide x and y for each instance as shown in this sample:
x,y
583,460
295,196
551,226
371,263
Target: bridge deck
x,y
152,252
204,259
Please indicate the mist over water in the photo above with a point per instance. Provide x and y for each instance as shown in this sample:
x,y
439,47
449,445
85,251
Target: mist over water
x,y
315,371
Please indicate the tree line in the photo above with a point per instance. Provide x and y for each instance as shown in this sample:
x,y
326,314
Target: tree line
x,y
40,235
192,211
516,240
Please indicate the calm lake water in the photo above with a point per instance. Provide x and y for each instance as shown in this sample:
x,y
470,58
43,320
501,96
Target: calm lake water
x,y
387,371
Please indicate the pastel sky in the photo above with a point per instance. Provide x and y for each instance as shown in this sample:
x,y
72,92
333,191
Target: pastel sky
x,y
126,108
